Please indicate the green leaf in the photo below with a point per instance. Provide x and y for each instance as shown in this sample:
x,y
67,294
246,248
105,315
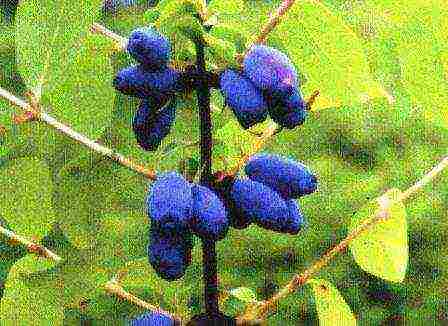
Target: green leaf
x,y
331,306
31,300
231,33
383,249
226,8
223,52
26,197
329,54
70,67
33,263
244,294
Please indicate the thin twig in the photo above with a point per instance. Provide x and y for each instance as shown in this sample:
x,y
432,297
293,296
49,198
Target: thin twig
x,y
115,288
425,180
30,246
272,23
42,116
299,280
100,29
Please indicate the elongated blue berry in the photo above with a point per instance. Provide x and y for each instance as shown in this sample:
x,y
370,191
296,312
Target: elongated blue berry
x,y
169,202
209,214
152,319
152,124
289,178
296,221
258,203
270,70
245,100
288,111
158,86
150,48
169,253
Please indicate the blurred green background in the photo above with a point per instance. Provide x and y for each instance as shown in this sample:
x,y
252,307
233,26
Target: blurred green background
x,y
94,210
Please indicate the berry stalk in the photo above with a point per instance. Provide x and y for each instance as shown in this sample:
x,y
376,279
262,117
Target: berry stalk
x,y
208,246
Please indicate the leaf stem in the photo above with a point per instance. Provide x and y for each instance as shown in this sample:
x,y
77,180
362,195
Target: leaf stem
x,y
300,279
114,287
66,130
31,246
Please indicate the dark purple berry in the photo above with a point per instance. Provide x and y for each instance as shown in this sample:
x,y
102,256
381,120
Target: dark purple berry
x,y
157,86
245,100
150,48
296,221
170,202
209,214
270,70
289,178
169,253
289,111
151,124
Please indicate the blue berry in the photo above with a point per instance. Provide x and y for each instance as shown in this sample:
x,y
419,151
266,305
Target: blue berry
x,y
151,126
296,220
289,111
150,48
169,253
158,86
169,202
258,203
289,178
270,70
152,319
209,214
245,100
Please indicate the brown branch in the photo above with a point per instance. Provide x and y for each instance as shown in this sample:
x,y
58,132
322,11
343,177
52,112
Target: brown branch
x,y
300,279
30,246
66,130
114,287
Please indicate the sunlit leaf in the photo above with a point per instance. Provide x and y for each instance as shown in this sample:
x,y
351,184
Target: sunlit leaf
x,y
383,249
331,306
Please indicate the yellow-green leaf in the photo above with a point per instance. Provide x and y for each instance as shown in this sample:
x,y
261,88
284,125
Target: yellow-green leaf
x,y
26,197
329,54
331,306
382,250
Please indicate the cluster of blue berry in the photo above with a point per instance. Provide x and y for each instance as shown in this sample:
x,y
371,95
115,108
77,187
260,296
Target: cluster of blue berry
x,y
178,209
152,81
267,84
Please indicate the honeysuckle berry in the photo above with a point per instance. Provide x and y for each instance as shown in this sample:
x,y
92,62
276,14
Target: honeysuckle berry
x,y
288,111
169,253
289,178
210,219
259,204
152,124
150,48
158,86
270,70
296,221
245,100
153,319
170,202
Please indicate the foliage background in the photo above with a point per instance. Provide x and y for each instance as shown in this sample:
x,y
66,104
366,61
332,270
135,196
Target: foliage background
x,y
358,148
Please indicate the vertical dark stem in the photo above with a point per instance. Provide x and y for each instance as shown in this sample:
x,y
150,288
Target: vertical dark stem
x,y
208,246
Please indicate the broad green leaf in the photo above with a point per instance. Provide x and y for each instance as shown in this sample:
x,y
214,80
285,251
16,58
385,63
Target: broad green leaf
x,y
32,263
244,294
26,197
30,300
383,249
331,306
46,31
231,33
226,8
71,68
329,54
